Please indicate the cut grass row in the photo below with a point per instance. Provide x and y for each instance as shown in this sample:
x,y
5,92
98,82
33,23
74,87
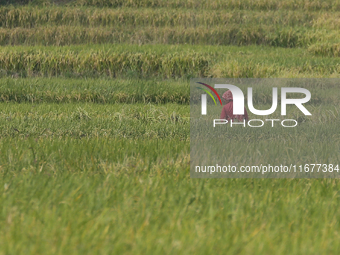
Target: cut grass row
x,y
164,61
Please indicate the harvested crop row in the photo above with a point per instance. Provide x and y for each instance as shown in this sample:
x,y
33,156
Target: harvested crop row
x,y
219,35
29,17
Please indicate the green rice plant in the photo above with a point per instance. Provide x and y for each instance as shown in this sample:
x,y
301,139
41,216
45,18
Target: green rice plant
x,y
217,4
163,61
95,121
195,4
103,91
251,69
103,62
109,188
235,69
327,20
30,17
133,91
66,26
99,163
325,49
109,155
137,207
219,35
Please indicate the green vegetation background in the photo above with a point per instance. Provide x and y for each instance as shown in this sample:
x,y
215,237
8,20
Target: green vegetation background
x,y
94,127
